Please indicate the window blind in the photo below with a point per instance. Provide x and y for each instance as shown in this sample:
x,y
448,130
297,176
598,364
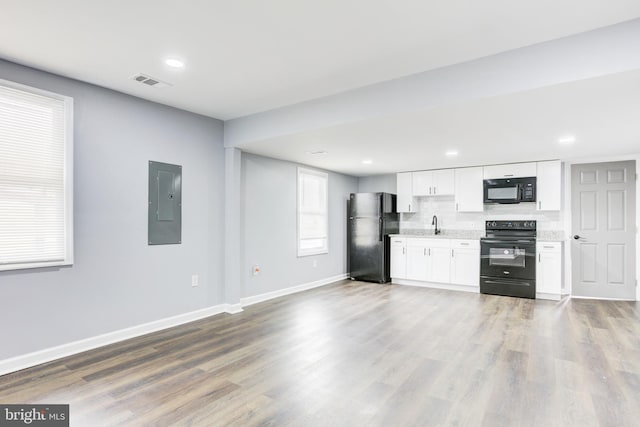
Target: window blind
x,y
33,201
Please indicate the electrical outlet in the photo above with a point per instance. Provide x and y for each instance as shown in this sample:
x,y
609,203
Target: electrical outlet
x,y
255,270
195,280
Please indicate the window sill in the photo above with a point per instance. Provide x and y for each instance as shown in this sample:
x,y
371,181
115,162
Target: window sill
x,y
32,265
310,253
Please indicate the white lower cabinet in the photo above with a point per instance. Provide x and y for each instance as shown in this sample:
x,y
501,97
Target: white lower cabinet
x,y
398,267
465,262
549,270
428,260
446,261
457,262
438,268
417,259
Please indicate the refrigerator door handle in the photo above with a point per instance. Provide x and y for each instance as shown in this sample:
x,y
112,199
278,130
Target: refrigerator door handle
x,y
380,236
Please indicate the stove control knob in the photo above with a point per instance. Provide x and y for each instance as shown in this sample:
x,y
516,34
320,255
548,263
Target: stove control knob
x,y
493,224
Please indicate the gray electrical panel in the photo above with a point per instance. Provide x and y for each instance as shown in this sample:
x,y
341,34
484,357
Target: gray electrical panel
x,y
165,203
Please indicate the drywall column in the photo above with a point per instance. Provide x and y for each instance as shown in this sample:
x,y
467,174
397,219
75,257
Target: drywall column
x,y
232,229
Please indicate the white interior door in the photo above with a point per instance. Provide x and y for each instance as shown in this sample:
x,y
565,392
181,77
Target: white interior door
x,y
603,230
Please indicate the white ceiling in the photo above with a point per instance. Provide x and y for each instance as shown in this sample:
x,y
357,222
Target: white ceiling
x,y
602,113
247,56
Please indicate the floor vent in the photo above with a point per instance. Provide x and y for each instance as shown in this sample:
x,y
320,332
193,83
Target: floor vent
x,y
149,81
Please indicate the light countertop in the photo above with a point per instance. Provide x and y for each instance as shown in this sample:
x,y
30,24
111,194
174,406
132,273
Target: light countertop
x,y
542,235
444,234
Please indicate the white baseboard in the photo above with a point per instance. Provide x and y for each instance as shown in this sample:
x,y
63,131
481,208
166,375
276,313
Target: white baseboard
x,y
47,355
549,296
464,288
447,286
599,298
233,308
292,290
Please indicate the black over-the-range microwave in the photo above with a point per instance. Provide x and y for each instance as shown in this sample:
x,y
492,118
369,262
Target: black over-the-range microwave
x,y
510,190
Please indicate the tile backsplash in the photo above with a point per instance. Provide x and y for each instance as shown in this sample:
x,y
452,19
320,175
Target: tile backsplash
x,y
449,219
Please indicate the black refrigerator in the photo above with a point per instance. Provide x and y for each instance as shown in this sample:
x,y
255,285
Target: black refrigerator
x,y
371,218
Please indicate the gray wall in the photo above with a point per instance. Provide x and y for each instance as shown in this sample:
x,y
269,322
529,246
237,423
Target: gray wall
x,y
269,209
377,184
118,281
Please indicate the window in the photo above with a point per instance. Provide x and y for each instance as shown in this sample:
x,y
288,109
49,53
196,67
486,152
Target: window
x,y
36,204
312,212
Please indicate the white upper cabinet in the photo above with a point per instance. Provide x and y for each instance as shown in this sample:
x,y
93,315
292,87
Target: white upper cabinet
x,y
513,170
443,182
433,183
422,183
549,185
468,185
404,186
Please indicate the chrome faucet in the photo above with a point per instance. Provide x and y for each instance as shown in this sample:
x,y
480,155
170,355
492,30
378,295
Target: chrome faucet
x,y
434,221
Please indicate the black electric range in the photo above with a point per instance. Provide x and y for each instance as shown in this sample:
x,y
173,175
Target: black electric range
x,y
508,259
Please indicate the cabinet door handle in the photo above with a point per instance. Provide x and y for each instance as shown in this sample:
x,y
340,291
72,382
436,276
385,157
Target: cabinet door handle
x,y
547,247
434,191
539,205
464,243
506,176
456,207
425,251
539,260
402,251
429,251
429,190
451,253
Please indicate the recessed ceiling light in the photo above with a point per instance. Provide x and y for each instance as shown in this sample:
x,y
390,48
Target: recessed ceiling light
x,y
314,152
174,63
367,161
451,153
567,140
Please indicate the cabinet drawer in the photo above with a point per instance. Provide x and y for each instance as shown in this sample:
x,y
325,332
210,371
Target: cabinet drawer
x,y
549,246
417,242
398,241
465,244
437,243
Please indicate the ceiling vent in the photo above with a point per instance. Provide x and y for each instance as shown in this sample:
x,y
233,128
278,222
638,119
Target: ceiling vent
x,y
149,81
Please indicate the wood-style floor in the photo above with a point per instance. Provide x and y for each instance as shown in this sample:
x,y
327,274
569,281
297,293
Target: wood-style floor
x,y
361,354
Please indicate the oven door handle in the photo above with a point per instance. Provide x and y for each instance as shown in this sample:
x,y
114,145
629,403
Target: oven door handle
x,y
507,241
507,282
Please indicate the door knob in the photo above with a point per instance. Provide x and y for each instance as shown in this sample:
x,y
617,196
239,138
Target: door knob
x,y
575,236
